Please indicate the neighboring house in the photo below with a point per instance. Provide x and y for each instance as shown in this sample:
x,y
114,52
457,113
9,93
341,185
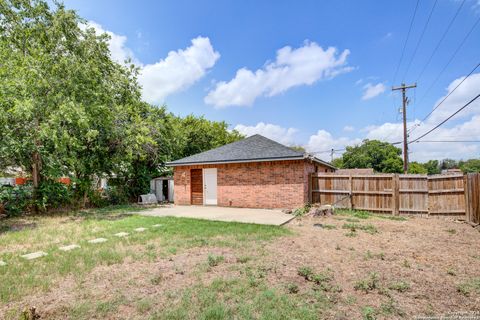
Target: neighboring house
x,y
255,172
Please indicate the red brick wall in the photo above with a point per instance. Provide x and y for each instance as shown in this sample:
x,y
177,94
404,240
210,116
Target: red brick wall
x,y
279,184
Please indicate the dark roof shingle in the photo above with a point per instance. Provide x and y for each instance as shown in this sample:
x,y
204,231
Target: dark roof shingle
x,y
254,148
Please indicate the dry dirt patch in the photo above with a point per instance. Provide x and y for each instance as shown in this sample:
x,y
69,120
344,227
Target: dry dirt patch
x,y
429,256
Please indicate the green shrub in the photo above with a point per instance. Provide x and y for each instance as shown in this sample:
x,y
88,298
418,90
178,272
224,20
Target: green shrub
x,y
16,200
53,194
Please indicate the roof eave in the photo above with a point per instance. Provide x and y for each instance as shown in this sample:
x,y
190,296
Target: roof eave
x,y
197,163
315,159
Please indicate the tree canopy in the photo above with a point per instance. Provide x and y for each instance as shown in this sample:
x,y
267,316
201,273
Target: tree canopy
x,y
67,109
381,156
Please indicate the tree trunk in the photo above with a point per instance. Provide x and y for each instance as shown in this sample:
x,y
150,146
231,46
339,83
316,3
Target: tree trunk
x,y
36,177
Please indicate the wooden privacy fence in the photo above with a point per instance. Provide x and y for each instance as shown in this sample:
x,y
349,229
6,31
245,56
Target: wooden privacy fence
x,y
450,194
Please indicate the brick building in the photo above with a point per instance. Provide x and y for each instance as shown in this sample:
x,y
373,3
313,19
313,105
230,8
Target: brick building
x,y
255,172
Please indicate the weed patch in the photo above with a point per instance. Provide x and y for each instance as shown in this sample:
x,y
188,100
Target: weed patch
x,y
368,284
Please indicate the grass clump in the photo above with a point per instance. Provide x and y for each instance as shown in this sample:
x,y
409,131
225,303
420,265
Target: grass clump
x,y
369,313
468,287
369,255
214,260
353,227
400,286
362,214
368,284
299,212
292,288
305,272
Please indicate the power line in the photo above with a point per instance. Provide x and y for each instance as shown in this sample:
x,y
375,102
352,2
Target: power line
x,y
441,40
449,117
451,58
449,141
445,98
420,40
406,40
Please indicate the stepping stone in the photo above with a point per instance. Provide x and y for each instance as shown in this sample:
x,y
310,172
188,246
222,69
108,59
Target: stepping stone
x,y
157,225
70,247
98,240
121,234
140,229
2,263
34,255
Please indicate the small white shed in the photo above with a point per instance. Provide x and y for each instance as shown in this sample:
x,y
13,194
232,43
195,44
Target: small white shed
x,y
162,187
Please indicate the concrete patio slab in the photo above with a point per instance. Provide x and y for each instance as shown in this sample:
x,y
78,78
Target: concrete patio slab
x,y
245,215
34,255
98,240
69,247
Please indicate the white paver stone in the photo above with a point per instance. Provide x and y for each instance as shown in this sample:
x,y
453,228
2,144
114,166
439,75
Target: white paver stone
x,y
157,225
140,229
98,240
69,247
34,255
121,234
2,263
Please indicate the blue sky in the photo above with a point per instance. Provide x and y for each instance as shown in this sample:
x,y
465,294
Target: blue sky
x,y
312,73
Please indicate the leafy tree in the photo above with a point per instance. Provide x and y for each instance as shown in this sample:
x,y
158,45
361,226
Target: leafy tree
x,y
432,167
381,156
298,148
417,168
338,163
446,164
66,107
470,166
197,134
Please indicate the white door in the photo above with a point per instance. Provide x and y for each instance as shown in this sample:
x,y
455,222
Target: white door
x,y
210,186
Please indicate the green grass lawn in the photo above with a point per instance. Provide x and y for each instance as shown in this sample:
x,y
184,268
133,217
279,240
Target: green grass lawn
x,y
21,278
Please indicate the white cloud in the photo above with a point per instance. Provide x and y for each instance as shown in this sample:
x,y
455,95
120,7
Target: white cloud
x,y
348,128
178,71
371,91
292,67
322,142
464,93
272,131
466,127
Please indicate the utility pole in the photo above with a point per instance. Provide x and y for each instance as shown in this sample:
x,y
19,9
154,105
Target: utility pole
x,y
404,88
331,155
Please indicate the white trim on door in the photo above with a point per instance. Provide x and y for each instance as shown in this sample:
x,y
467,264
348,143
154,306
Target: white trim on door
x,y
210,186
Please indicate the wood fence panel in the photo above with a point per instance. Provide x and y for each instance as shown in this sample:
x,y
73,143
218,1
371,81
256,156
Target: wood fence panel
x,y
373,192
472,197
413,194
405,194
331,189
446,195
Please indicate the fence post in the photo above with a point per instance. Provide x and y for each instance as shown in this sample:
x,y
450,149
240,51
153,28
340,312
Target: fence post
x,y
396,194
350,182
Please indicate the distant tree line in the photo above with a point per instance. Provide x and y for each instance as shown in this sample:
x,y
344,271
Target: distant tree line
x,y
386,158
67,109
